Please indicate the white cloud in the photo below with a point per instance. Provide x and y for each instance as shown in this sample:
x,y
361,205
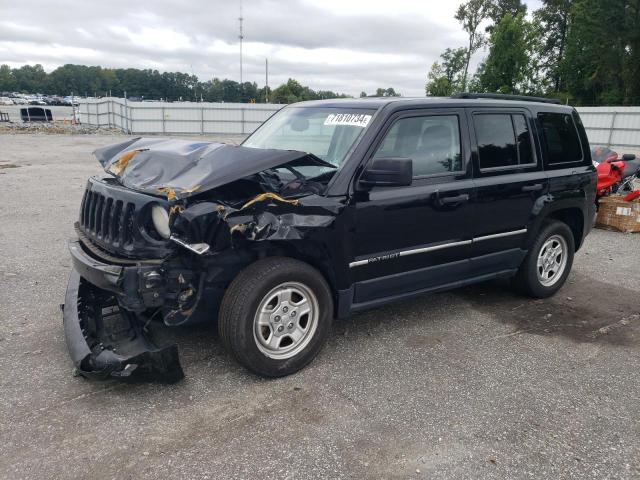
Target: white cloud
x,y
163,39
342,45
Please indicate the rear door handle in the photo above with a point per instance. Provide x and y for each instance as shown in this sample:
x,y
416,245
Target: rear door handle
x,y
532,188
457,199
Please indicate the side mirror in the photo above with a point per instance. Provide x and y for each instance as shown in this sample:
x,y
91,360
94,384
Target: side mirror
x,y
628,157
388,172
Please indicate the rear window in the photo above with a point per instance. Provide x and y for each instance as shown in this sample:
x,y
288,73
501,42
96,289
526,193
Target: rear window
x,y
503,140
560,138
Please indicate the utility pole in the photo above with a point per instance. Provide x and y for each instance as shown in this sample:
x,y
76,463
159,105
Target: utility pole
x,y
266,80
241,37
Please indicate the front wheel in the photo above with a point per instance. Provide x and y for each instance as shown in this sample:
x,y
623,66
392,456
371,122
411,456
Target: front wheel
x,y
276,315
548,263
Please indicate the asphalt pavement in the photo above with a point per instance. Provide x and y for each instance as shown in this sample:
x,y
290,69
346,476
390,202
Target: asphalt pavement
x,y
473,383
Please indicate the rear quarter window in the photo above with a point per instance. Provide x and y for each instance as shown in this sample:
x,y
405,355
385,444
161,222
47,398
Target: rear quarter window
x,y
560,139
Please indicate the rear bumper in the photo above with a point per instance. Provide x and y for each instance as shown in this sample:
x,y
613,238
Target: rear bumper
x,y
116,346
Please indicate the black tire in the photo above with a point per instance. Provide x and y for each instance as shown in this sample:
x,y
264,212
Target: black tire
x,y
243,299
527,280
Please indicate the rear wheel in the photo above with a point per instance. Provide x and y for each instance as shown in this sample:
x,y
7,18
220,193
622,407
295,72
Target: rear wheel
x,y
548,263
276,315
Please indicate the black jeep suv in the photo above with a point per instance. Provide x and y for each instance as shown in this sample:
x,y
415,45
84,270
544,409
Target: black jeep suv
x,y
329,208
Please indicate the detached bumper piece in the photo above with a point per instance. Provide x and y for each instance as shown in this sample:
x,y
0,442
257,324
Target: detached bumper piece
x,y
105,341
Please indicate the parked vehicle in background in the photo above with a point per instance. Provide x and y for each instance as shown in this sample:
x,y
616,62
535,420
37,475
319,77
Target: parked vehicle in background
x,y
53,100
6,101
19,100
70,101
37,101
329,208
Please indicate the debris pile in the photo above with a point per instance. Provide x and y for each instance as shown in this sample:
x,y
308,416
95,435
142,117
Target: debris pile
x,y
55,128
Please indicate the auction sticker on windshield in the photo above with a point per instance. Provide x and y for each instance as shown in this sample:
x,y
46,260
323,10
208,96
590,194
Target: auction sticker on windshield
x,y
351,119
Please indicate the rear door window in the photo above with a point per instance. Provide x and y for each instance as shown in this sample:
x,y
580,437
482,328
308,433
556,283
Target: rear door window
x,y
560,138
504,140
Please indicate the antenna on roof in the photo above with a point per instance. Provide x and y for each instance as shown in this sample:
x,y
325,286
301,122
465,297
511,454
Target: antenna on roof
x,y
266,80
241,37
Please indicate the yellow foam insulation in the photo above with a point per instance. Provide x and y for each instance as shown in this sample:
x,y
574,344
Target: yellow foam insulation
x,y
268,196
119,165
172,193
169,192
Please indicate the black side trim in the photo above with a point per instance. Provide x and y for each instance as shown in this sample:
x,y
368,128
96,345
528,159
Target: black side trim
x,y
506,259
356,307
422,278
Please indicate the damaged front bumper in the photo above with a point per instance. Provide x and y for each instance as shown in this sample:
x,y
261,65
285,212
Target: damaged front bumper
x,y
104,323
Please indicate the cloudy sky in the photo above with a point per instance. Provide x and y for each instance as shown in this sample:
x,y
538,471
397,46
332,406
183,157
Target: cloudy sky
x,y
341,45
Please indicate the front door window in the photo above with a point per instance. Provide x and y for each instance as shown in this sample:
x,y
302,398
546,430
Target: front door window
x,y
432,142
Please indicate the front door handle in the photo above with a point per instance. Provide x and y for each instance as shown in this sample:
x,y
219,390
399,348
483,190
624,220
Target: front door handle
x,y
532,188
451,200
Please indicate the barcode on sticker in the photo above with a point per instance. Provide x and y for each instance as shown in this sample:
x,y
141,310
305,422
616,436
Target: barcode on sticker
x,y
351,119
626,211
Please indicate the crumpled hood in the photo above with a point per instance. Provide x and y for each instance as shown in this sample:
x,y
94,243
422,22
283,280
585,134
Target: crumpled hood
x,y
180,168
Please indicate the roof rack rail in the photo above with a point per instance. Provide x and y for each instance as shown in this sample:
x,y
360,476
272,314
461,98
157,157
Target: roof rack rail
x,y
501,96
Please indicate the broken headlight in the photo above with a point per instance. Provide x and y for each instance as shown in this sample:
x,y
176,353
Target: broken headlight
x,y
160,218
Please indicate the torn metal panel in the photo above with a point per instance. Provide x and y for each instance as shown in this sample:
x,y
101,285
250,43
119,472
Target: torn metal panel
x,y
288,220
267,216
181,168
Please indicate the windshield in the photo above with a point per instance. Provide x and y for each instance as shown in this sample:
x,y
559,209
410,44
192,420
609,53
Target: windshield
x,y
327,133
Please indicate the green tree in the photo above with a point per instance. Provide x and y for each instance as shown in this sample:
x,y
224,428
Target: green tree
x,y
499,8
386,92
471,14
149,84
631,69
30,79
437,82
7,80
447,77
554,18
293,91
505,67
595,52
